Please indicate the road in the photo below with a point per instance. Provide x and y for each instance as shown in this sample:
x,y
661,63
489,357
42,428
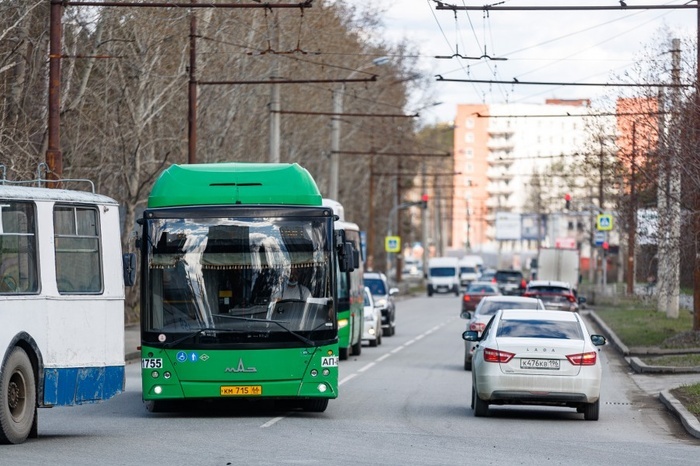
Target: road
x,y
405,402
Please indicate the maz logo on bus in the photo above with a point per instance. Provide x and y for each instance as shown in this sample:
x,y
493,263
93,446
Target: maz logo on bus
x,y
241,368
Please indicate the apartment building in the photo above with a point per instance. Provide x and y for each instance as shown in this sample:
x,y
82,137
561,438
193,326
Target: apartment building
x,y
512,159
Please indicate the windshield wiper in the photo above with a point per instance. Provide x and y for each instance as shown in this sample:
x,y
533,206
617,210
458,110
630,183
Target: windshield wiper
x,y
252,319
202,332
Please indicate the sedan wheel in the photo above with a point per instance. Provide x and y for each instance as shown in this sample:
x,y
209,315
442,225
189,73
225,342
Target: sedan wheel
x,y
467,361
481,407
591,411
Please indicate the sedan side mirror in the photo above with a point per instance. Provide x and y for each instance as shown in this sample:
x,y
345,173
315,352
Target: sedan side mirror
x,y
471,335
466,315
393,291
598,340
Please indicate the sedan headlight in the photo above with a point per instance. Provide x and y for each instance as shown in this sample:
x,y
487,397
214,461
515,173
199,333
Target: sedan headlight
x,y
380,303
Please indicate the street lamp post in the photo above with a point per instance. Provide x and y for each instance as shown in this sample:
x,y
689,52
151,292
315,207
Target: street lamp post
x,y
338,94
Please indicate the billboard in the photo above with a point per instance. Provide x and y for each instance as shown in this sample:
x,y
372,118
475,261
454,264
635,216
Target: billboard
x,y
530,223
508,226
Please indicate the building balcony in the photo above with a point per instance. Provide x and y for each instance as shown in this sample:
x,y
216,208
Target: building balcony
x,y
500,144
499,189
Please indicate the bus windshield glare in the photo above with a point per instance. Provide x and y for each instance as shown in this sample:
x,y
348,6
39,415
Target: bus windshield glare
x,y
251,280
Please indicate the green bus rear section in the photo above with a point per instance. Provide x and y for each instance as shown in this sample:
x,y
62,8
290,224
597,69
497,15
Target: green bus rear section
x,y
234,183
279,373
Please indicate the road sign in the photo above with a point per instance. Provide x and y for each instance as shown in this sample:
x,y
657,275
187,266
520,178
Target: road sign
x,y
599,238
392,244
604,222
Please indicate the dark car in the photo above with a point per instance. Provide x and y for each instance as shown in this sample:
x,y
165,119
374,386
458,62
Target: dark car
x,y
475,292
383,300
510,282
556,295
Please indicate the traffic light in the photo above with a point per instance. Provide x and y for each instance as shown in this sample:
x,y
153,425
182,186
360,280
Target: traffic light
x,y
424,201
567,200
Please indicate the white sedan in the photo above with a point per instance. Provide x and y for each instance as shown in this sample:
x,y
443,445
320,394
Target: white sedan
x,y
372,331
536,357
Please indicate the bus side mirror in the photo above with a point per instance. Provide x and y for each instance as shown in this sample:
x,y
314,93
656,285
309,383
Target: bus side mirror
x,y
347,257
129,265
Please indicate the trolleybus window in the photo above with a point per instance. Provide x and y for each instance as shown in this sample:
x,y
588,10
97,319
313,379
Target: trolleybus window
x,y
78,267
18,260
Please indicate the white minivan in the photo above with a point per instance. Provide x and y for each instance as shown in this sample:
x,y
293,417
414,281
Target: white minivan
x,y
443,275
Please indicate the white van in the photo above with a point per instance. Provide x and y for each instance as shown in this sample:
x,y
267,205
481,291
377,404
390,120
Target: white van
x,y
469,269
443,275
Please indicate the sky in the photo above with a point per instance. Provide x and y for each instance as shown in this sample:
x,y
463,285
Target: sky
x,y
538,46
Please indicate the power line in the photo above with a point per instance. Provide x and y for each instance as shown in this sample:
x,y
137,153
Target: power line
x,y
499,7
545,83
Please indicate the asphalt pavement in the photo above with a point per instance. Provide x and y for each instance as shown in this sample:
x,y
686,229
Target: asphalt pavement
x,y
654,380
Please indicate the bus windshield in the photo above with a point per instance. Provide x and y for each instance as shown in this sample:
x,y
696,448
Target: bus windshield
x,y
239,280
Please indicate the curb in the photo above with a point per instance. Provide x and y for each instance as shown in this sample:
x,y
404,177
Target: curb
x,y
689,421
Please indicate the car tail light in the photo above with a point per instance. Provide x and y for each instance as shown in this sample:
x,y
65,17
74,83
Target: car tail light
x,y
583,359
528,294
523,283
493,280
571,298
492,355
467,298
477,326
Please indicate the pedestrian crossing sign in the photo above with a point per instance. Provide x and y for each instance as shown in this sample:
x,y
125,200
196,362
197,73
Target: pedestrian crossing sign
x,y
392,244
604,222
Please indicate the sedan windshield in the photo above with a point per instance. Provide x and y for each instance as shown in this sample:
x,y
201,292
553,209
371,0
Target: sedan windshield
x,y
491,307
566,330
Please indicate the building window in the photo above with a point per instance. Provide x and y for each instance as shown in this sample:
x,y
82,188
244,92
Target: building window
x,y
469,153
469,123
469,137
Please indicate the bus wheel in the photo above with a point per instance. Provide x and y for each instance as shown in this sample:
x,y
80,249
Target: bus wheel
x,y
17,398
316,405
343,353
159,406
357,348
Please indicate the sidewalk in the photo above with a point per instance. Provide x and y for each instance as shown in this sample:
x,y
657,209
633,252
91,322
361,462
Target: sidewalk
x,y
656,380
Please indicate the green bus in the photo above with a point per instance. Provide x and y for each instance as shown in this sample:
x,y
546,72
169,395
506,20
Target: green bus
x,y
239,265
350,290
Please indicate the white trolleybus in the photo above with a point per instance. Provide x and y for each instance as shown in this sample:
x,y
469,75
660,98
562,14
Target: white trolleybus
x,y
61,303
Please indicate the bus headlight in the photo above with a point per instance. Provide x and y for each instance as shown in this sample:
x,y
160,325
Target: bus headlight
x,y
322,387
342,323
155,374
157,389
326,372
314,372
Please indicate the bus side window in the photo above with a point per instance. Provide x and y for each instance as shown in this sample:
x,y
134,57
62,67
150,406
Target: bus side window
x,y
77,240
18,259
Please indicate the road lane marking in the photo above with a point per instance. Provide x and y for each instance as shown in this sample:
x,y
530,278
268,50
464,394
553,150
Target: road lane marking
x,y
364,368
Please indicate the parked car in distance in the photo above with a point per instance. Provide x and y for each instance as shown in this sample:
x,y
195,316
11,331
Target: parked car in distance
x,y
475,292
487,308
372,332
510,281
555,295
536,358
383,300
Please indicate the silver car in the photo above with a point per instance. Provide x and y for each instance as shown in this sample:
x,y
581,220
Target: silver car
x,y
486,309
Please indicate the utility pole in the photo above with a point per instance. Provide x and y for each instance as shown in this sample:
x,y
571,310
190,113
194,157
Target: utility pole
x,y
275,116
632,216
674,189
192,91
424,222
696,141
